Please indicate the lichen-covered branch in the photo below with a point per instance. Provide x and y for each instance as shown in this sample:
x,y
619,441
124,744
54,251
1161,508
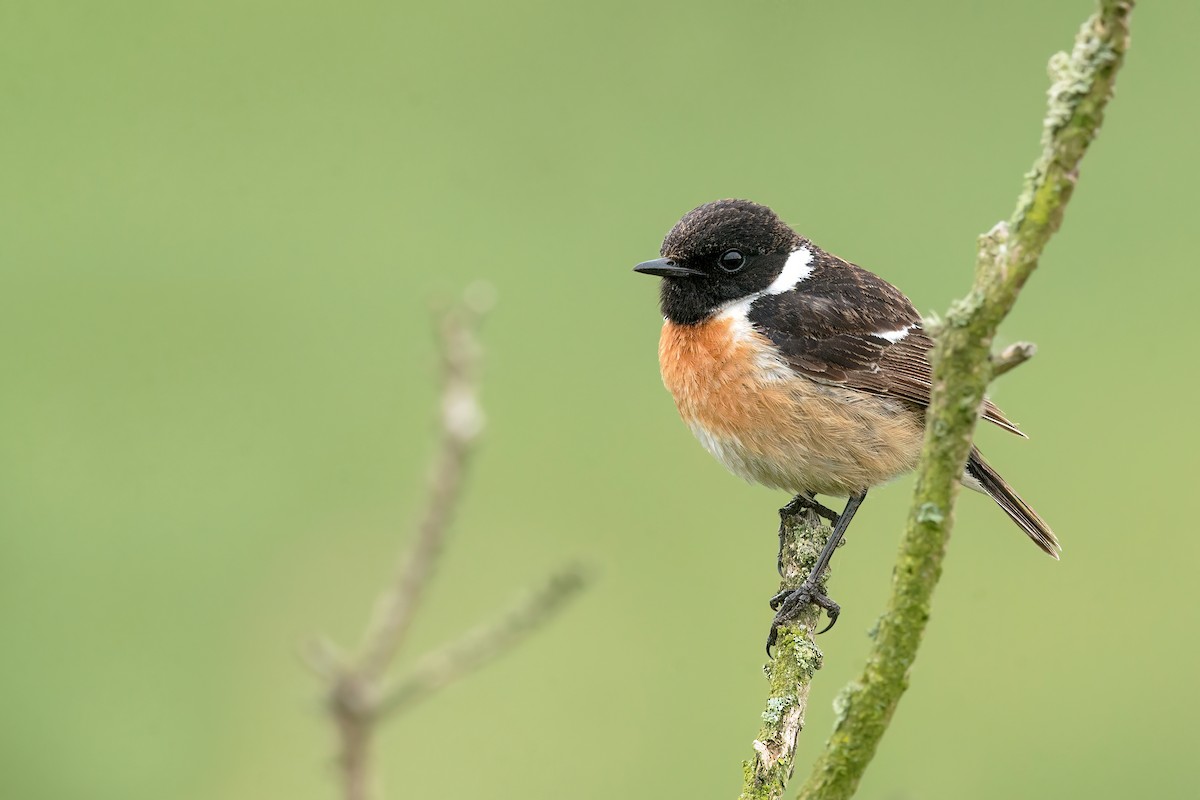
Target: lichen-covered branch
x,y
790,671
1082,83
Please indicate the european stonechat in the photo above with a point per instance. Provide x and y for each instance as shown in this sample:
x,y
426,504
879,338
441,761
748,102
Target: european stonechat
x,y
801,371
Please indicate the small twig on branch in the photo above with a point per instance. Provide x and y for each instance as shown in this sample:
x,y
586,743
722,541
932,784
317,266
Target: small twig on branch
x,y
359,692
791,669
1012,357
1082,85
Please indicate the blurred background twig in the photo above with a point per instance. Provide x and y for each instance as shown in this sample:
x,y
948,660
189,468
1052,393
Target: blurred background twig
x,y
360,693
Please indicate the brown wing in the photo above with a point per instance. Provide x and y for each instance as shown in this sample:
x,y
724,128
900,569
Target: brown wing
x,y
849,327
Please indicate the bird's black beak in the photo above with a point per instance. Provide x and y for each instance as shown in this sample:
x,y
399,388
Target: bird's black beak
x,y
665,268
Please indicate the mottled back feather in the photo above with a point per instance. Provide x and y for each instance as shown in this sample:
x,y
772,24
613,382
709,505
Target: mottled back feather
x,y
832,328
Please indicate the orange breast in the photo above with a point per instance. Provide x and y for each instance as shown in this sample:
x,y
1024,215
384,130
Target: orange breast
x,y
714,371
776,428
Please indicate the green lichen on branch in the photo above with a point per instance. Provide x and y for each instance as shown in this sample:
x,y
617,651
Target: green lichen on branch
x,y
1082,83
790,672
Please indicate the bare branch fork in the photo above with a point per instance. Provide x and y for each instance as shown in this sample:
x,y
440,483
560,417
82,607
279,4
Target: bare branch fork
x,y
1081,86
359,691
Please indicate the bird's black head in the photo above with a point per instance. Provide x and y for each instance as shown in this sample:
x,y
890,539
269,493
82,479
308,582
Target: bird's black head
x,y
720,252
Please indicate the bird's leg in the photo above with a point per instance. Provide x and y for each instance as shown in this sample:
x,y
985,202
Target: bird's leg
x,y
789,602
804,501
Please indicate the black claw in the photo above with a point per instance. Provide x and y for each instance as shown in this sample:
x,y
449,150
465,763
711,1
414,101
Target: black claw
x,y
782,535
833,618
788,603
784,596
803,502
794,506
831,608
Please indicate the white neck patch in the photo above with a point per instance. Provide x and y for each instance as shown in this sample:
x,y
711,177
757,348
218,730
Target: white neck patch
x,y
795,269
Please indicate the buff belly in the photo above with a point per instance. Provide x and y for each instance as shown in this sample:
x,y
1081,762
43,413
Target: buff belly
x,y
772,427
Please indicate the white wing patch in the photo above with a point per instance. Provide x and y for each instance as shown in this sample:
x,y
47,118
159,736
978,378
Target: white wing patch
x,y
894,336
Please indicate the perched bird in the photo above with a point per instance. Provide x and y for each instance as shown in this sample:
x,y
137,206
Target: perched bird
x,y
801,371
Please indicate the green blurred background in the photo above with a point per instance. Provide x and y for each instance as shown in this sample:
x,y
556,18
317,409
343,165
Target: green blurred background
x,y
222,226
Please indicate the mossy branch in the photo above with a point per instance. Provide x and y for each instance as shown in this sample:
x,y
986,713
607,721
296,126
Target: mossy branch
x,y
1082,83
790,671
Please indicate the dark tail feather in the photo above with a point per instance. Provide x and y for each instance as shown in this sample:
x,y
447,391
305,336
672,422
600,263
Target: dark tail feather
x,y
999,490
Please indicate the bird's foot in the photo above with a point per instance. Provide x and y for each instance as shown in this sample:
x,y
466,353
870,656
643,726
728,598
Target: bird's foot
x,y
788,604
805,502
801,502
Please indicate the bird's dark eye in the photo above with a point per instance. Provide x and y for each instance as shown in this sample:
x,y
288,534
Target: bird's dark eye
x,y
731,260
